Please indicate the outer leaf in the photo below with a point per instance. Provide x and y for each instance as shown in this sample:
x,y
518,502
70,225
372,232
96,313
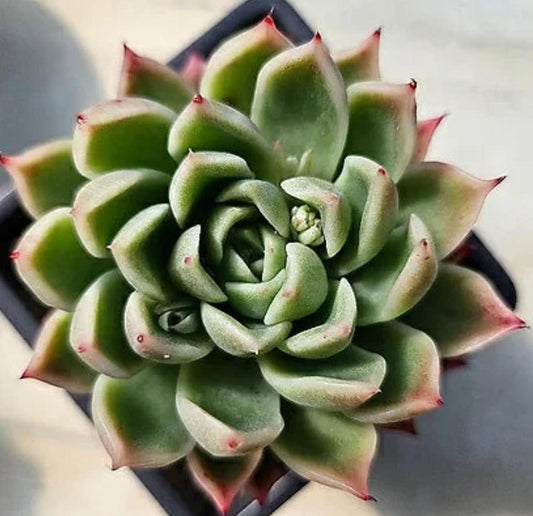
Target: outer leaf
x,y
97,333
327,447
382,124
239,340
45,257
148,339
305,287
198,179
227,406
426,129
266,197
232,69
300,102
334,334
45,176
222,478
338,383
207,125
432,187
360,63
53,360
397,278
411,385
187,271
374,206
137,421
330,202
144,77
120,134
106,203
462,312
142,250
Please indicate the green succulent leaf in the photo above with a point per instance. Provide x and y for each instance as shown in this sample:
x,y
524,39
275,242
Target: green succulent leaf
x,y
144,77
240,340
462,312
398,277
266,197
53,360
327,447
275,255
300,102
120,134
426,129
208,125
51,260
198,179
150,340
137,421
142,249
374,207
382,124
227,406
431,188
105,204
360,63
411,385
97,333
45,176
340,382
335,333
222,478
231,72
333,206
305,287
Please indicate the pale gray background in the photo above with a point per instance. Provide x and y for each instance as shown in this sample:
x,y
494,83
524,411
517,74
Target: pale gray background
x,y
472,58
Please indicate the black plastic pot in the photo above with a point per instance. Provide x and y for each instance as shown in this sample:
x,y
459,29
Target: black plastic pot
x,y
171,486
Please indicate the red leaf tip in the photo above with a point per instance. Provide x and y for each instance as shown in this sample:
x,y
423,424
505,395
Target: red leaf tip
x,y
439,402
14,254
4,159
377,33
412,84
140,338
382,172
81,119
317,38
198,99
26,374
496,181
367,497
233,443
268,20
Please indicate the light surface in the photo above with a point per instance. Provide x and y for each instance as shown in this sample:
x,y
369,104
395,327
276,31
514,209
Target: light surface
x,y
472,58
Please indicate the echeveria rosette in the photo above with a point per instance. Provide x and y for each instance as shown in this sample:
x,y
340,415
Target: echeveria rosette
x,y
257,265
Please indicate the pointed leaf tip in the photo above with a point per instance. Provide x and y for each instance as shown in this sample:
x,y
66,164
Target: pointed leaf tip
x,y
269,19
412,84
13,255
377,32
496,181
4,160
317,38
198,99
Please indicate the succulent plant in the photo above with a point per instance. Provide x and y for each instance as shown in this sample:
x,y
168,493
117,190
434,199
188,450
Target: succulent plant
x,y
260,264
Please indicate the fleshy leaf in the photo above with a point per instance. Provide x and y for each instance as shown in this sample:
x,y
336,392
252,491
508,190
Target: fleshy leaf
x,y
374,204
52,262
227,406
274,253
187,271
208,125
45,176
105,204
149,340
236,338
193,69
397,278
137,421
327,447
334,334
266,197
97,332
304,289
53,360
144,77
330,202
431,188
300,102
382,124
340,382
120,134
360,63
222,478
231,72
199,178
411,385
142,249
426,129
462,312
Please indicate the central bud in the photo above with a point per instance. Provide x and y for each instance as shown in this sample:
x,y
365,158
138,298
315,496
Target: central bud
x,y
179,318
306,225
